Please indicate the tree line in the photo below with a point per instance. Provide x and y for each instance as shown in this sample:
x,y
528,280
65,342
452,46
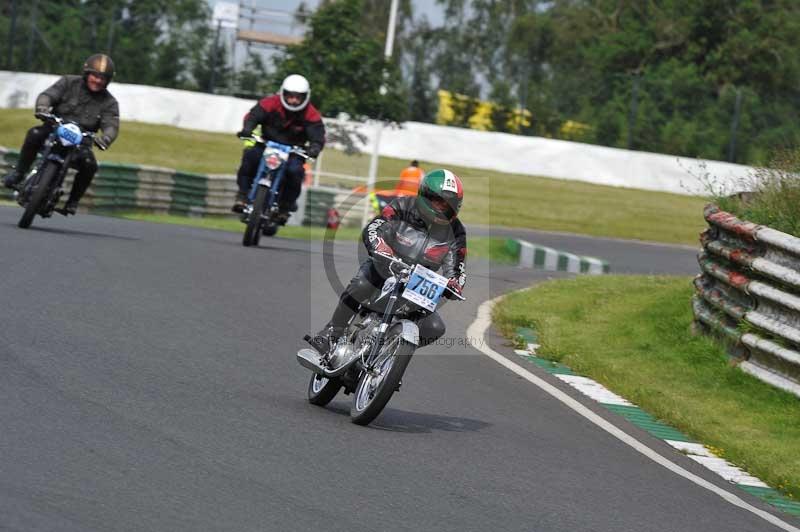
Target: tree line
x,y
708,78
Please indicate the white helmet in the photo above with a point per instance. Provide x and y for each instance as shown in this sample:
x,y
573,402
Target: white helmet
x,y
297,85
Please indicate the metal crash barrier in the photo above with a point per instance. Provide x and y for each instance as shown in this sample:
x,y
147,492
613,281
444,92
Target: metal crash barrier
x,y
125,187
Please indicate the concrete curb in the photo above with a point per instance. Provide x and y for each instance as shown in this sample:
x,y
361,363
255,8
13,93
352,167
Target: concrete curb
x,y
532,255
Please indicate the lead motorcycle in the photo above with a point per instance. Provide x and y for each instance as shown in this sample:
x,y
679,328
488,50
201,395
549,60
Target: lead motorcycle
x,y
261,213
41,189
370,358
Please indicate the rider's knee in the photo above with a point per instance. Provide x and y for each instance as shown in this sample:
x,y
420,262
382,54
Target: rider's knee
x,y
360,288
35,135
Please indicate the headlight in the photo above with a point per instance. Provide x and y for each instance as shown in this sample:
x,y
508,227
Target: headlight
x,y
273,161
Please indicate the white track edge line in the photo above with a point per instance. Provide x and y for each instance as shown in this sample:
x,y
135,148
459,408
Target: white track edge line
x,y
478,328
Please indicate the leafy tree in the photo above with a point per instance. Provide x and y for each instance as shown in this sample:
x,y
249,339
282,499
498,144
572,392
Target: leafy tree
x,y
503,106
421,95
151,41
253,79
345,65
213,70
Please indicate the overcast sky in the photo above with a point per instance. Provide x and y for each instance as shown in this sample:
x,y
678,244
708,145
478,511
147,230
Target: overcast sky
x,y
279,20
283,8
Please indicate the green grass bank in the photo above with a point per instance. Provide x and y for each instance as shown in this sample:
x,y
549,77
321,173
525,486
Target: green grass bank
x,y
491,198
632,334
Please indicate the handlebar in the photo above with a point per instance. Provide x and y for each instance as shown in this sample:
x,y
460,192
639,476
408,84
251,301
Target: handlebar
x,y
297,150
50,117
407,267
255,138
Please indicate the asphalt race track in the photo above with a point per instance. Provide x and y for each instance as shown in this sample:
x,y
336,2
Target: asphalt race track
x,y
148,383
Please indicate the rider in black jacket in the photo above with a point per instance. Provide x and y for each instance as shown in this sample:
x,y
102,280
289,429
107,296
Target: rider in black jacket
x,y
420,230
86,101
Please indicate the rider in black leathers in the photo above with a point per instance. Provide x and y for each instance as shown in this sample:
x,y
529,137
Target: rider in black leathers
x,y
86,101
419,230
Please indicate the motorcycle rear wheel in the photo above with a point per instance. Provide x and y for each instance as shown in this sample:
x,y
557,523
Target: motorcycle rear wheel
x,y
39,195
252,233
322,390
373,391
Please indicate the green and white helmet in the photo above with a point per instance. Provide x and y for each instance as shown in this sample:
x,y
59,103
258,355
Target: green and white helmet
x,y
440,196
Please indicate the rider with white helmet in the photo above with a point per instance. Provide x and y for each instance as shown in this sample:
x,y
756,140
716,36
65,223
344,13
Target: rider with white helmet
x,y
287,117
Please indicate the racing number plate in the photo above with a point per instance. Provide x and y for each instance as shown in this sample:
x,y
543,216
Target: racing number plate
x,y
425,287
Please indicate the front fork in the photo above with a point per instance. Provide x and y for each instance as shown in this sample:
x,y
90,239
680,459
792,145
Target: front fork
x,y
383,327
276,182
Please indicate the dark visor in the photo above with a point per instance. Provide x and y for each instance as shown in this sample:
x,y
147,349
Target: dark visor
x,y
439,204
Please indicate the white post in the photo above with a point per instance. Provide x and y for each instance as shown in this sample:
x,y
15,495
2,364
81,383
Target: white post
x,y
317,169
387,52
373,172
373,162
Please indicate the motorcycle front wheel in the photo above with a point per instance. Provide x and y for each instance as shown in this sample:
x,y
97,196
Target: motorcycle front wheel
x,y
270,229
252,233
375,387
322,390
39,194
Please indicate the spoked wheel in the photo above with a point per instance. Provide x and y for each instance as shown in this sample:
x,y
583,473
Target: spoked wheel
x,y
39,194
252,233
375,387
322,390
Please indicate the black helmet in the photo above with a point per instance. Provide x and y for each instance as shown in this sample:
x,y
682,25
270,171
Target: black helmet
x,y
101,65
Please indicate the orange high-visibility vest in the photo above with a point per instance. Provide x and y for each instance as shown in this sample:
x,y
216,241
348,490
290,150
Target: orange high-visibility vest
x,y
409,180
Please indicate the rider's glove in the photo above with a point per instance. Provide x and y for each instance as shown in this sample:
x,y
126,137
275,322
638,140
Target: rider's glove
x,y
42,112
103,142
243,133
455,286
313,151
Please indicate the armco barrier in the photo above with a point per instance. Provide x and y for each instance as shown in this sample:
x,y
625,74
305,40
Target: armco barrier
x,y
545,258
749,294
119,187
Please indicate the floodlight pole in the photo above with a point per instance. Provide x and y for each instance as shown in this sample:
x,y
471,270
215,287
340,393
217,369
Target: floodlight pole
x,y
373,162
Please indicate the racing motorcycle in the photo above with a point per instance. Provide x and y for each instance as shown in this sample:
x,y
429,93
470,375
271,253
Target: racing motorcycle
x,y
261,213
370,358
41,190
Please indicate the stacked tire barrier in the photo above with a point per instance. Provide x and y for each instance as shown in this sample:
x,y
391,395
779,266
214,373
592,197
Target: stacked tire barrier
x,y
121,187
749,294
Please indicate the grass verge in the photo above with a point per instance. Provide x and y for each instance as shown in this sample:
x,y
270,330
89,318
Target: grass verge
x,y
632,334
491,198
491,248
